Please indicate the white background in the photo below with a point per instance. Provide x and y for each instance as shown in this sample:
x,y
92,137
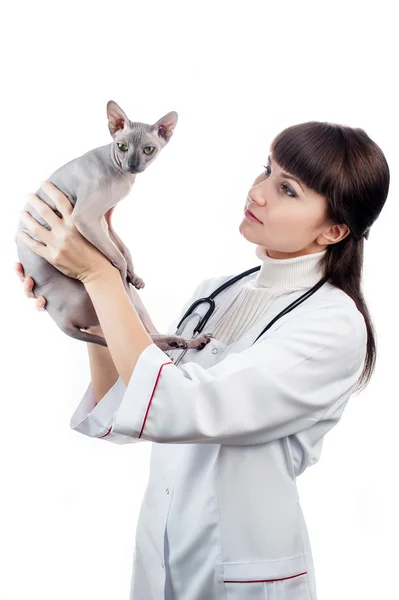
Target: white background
x,y
237,74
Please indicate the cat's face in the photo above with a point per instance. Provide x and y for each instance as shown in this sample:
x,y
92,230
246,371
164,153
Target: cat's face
x,y
134,150
136,144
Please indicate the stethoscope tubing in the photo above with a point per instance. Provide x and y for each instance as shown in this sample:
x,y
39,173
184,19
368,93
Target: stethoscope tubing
x,y
211,301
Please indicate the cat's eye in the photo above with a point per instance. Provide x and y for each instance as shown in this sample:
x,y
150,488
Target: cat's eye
x,y
148,149
122,147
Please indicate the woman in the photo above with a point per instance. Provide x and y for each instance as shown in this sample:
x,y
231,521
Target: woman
x,y
237,422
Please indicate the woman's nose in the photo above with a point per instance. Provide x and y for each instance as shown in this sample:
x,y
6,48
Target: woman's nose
x,y
257,197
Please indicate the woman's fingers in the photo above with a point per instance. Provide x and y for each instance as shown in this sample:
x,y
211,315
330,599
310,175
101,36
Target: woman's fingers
x,y
20,271
41,300
27,281
29,284
28,287
40,303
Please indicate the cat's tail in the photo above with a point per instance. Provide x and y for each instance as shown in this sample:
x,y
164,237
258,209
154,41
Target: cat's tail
x,y
84,336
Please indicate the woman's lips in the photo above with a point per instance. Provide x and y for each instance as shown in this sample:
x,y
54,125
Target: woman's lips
x,y
251,217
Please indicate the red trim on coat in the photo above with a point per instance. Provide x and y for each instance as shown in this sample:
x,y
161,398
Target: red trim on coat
x,y
153,392
148,407
109,431
262,580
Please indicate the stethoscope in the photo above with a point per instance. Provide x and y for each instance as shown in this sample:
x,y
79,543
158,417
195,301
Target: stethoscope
x,y
211,301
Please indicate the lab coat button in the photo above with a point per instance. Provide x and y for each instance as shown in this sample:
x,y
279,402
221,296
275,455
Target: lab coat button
x,y
215,351
162,565
167,490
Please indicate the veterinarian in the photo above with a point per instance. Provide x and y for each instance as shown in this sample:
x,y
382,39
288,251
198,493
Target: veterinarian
x,y
237,422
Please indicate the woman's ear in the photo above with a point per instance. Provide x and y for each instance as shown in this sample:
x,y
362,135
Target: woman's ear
x,y
334,234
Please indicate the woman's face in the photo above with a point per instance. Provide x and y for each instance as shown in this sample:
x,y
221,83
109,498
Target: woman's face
x,y
292,216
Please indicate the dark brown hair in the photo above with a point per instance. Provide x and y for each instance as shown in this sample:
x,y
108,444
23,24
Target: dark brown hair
x,y
345,166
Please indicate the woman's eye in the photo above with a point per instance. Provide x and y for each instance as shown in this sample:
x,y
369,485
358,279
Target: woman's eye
x,y
122,147
149,149
287,189
267,172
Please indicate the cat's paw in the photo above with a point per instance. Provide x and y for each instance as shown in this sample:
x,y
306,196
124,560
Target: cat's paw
x,y
200,342
135,280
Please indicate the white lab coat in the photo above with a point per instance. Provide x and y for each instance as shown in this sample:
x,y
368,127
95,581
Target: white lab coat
x,y
234,426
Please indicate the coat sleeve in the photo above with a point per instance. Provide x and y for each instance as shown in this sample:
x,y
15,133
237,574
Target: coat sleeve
x,y
281,385
95,419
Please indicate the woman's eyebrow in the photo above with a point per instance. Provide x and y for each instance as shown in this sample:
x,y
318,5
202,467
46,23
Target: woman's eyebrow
x,y
287,176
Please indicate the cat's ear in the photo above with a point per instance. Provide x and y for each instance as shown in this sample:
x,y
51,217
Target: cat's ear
x,y
164,128
117,119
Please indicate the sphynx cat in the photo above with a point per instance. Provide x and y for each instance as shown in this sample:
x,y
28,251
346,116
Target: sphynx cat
x,y
94,183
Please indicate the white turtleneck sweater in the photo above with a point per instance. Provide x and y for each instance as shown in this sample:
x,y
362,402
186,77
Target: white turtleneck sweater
x,y
275,278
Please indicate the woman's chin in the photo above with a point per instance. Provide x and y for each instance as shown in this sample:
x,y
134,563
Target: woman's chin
x,y
248,232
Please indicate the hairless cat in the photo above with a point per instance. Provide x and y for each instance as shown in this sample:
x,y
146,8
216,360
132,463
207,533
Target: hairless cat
x,y
94,183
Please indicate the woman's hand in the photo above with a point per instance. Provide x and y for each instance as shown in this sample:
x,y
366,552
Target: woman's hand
x,y
28,287
41,300
64,246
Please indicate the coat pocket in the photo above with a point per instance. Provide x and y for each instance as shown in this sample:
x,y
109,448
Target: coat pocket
x,y
285,579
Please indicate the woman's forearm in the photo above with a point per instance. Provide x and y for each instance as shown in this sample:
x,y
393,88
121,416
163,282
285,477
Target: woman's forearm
x,y
102,367
102,370
125,334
